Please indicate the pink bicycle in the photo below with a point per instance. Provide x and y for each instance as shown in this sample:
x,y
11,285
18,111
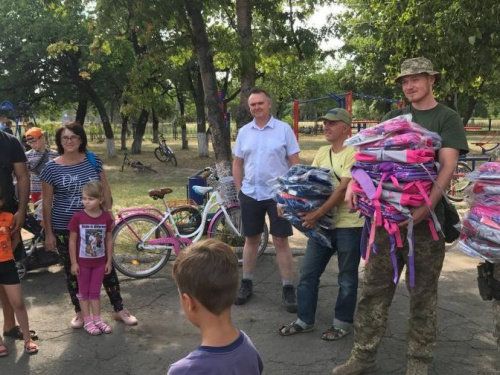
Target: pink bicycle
x,y
144,237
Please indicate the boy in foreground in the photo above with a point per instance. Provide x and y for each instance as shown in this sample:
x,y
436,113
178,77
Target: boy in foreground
x,y
206,274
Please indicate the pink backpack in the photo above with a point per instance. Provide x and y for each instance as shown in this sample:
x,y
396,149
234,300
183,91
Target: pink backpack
x,y
400,156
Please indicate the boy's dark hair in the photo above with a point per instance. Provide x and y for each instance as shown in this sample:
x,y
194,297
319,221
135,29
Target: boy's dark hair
x,y
76,128
256,90
208,272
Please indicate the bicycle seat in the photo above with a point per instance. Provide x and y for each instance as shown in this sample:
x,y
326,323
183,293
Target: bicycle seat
x,y
202,190
159,193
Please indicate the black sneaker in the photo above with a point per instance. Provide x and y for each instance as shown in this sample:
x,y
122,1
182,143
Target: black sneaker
x,y
290,298
245,292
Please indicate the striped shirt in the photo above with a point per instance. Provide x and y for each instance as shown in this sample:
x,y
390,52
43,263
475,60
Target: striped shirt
x,y
68,182
34,158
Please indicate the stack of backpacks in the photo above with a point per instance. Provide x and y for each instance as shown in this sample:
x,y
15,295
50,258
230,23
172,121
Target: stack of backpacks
x,y
305,188
395,170
480,236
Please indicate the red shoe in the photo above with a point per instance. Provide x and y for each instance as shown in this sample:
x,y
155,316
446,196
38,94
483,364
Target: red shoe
x,y
126,317
30,347
4,351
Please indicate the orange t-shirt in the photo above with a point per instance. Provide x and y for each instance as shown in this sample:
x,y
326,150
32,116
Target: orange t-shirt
x,y
6,252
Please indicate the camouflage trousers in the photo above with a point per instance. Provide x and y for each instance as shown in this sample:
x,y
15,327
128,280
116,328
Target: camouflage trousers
x,y
378,288
496,307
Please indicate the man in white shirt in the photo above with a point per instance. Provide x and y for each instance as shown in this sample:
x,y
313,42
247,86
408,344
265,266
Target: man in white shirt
x,y
265,148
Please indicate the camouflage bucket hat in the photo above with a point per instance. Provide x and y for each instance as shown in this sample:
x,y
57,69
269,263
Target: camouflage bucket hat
x,y
337,114
417,65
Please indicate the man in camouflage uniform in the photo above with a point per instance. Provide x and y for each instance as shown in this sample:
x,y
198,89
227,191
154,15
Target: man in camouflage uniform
x,y
496,307
370,321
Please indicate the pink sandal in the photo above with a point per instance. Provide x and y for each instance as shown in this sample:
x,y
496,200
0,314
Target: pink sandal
x,y
4,351
91,328
103,327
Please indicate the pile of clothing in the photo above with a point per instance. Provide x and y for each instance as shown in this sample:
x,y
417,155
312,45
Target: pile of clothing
x,y
394,171
305,188
480,236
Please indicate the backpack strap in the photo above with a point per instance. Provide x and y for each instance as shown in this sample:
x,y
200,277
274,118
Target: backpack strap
x,y
91,157
43,159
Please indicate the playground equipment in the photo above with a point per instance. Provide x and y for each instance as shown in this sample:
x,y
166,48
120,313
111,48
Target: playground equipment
x,y
343,100
489,142
24,112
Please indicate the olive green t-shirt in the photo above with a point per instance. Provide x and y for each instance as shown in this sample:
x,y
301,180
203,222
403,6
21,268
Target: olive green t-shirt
x,y
440,119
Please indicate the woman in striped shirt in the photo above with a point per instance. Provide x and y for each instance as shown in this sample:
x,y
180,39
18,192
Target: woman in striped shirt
x,y
62,181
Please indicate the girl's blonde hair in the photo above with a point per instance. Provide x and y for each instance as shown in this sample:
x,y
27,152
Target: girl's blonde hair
x,y
94,189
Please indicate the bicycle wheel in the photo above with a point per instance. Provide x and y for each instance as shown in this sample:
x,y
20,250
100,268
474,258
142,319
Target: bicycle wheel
x,y
160,155
172,159
187,219
221,230
459,183
129,257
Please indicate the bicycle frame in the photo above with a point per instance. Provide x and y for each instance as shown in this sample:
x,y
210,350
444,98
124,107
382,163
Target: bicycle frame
x,y
179,241
163,145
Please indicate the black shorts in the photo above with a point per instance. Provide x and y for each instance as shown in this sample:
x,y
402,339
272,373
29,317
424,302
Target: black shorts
x,y
8,273
253,215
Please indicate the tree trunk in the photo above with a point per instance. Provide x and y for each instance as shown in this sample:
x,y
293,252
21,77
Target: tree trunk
x,y
222,146
140,129
471,104
247,60
156,122
106,124
201,119
124,132
81,111
182,108
202,145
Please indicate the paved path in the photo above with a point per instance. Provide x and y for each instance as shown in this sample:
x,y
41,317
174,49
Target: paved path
x,y
465,344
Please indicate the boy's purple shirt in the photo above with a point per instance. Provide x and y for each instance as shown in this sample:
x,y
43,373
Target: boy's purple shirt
x,y
238,358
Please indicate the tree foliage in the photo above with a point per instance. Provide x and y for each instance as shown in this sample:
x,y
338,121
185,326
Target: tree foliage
x,y
460,37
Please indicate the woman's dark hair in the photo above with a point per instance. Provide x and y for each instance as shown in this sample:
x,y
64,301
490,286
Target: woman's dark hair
x,y
75,128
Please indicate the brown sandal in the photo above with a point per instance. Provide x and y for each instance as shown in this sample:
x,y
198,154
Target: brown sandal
x,y
293,328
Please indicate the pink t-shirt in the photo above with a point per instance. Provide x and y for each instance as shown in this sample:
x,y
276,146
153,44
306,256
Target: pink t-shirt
x,y
91,239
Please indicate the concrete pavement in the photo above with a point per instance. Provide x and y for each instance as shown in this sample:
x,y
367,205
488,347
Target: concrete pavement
x,y
465,343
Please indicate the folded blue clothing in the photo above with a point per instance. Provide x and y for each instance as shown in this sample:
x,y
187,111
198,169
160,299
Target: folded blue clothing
x,y
301,173
305,188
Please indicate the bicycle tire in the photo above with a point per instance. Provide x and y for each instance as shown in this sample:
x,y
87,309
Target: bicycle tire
x,y
459,182
187,219
220,230
127,257
172,159
160,154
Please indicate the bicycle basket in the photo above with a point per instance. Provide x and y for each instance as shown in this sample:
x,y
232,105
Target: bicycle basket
x,y
228,190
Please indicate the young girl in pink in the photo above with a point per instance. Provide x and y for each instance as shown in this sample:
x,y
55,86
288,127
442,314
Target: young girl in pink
x,y
9,279
91,254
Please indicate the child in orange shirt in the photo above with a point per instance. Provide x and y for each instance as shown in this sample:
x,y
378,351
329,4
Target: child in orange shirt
x,y
9,279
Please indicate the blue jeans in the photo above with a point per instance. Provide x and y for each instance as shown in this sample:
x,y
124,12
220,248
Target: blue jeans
x,y
345,242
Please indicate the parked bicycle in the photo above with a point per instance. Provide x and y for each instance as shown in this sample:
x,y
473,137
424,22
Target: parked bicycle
x,y
144,237
459,182
36,255
136,164
164,153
